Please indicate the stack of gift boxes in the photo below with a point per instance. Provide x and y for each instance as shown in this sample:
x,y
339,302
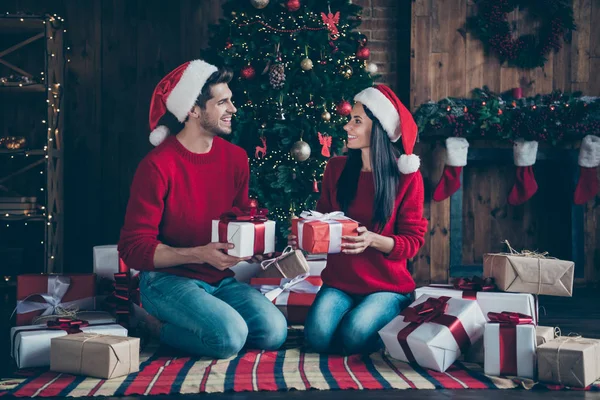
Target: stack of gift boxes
x,y
494,321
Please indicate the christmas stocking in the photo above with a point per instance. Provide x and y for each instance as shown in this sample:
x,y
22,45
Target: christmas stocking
x,y
524,154
589,159
456,159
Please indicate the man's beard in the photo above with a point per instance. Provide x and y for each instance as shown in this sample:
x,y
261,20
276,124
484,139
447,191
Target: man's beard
x,y
212,126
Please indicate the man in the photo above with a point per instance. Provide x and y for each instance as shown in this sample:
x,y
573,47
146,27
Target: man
x,y
188,180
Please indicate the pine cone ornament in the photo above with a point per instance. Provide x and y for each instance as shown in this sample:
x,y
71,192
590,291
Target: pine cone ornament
x,y
277,76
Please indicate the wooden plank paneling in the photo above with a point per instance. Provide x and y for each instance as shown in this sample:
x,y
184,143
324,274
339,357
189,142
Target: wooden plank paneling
x,y
580,54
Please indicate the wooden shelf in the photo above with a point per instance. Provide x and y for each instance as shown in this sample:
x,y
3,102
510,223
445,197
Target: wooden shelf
x,y
26,88
13,24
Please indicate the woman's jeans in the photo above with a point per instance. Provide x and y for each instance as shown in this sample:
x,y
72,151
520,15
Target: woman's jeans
x,y
211,320
339,322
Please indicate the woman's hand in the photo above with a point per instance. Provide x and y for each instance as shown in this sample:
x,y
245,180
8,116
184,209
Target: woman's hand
x,y
358,244
292,241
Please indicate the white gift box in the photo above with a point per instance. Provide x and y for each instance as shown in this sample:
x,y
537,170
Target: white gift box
x,y
106,262
242,235
30,345
523,303
516,356
432,344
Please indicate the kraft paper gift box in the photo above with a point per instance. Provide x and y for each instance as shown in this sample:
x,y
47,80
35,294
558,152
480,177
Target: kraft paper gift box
x,y
290,264
249,231
523,274
434,331
510,346
30,345
99,356
41,295
544,334
322,233
293,297
569,361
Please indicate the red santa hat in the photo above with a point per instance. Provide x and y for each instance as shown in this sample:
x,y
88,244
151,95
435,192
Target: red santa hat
x,y
396,120
177,92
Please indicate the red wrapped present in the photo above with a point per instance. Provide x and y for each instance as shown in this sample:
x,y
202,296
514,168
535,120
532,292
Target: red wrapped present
x,y
293,297
322,233
42,294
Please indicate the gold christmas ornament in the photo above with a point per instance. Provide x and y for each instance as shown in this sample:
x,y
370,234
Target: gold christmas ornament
x,y
306,64
260,4
326,116
300,151
346,71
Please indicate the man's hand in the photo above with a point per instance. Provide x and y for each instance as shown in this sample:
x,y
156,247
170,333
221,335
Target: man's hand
x,y
213,254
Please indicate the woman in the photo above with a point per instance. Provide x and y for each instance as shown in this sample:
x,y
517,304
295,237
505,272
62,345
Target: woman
x,y
368,284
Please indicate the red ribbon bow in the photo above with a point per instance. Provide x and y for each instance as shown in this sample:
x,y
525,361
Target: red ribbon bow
x,y
70,326
512,318
432,310
508,338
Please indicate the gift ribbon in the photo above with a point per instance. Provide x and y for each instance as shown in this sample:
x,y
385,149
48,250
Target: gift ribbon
x,y
508,338
432,310
275,261
58,285
296,285
335,228
254,215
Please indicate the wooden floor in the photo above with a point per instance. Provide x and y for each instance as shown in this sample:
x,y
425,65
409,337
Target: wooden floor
x,y
578,314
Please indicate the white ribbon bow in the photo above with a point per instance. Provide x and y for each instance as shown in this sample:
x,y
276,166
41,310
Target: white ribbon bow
x,y
57,288
296,285
267,263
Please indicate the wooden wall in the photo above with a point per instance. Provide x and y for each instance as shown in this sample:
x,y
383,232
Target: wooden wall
x,y
447,61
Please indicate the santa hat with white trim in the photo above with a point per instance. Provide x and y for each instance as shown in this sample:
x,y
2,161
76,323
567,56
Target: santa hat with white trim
x,y
396,120
177,92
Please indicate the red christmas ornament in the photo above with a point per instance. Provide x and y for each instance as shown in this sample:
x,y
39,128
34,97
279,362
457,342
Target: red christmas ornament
x,y
248,72
363,53
344,108
293,5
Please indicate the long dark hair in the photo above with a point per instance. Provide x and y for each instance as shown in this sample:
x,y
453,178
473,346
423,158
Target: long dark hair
x,y
385,175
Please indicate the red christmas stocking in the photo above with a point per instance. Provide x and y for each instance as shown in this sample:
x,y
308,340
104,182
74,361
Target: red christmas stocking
x,y
524,155
589,159
456,159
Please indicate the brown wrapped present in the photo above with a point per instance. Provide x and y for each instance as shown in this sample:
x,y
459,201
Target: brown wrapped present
x,y
569,361
544,334
290,264
99,356
527,274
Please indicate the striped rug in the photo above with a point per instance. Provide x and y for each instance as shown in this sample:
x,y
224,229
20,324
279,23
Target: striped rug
x,y
162,373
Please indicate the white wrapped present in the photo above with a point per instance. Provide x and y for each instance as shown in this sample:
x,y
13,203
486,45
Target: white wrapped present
x,y
249,230
30,345
434,331
510,345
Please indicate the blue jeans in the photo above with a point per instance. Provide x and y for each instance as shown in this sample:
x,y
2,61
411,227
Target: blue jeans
x,y
339,322
211,320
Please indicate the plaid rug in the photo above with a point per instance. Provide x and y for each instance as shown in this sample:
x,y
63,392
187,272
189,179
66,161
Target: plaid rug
x,y
163,373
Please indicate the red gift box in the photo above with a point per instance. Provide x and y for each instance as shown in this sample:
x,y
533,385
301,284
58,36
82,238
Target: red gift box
x,y
293,297
42,294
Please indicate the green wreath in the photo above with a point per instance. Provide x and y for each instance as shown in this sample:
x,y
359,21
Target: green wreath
x,y
490,25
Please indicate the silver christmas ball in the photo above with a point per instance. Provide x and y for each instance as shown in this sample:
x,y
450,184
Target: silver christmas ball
x,y
371,68
300,151
306,64
260,4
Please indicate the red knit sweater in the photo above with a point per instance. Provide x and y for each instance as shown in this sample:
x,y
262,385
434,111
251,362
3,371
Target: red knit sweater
x,y
373,271
175,194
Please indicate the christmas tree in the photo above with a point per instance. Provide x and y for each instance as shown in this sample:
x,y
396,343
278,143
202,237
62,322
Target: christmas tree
x,y
297,66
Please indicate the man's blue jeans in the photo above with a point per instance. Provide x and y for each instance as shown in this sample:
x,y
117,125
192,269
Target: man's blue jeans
x,y
348,324
211,320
